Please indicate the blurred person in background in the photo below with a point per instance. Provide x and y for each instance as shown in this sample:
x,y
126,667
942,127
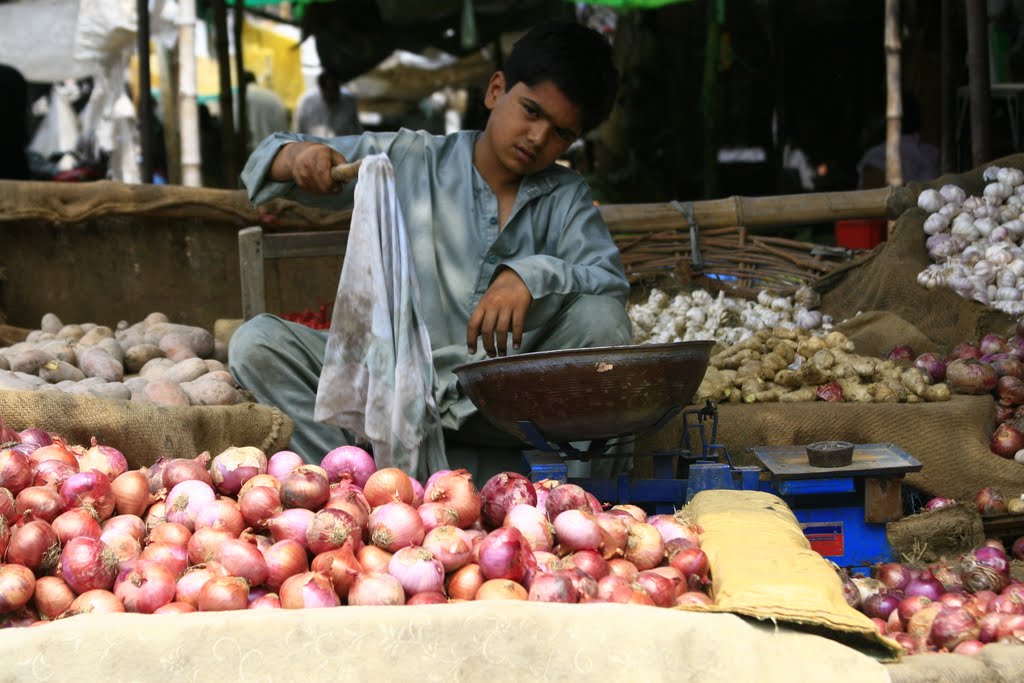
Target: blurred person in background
x,y
327,110
14,127
264,110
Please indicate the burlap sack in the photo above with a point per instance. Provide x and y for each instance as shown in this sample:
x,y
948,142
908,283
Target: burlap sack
x,y
875,333
996,663
499,641
144,432
933,534
762,566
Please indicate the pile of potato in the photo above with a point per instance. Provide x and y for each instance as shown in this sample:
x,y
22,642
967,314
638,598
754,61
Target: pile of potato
x,y
152,361
792,366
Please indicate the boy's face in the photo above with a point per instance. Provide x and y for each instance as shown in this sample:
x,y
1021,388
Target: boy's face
x,y
530,127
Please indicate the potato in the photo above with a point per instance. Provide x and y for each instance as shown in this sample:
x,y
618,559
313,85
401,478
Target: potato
x,y
113,347
200,341
136,385
114,390
71,332
164,393
93,336
220,350
214,365
154,318
54,371
185,371
176,346
137,356
155,368
211,393
218,376
61,350
17,381
37,336
51,323
4,363
29,361
95,362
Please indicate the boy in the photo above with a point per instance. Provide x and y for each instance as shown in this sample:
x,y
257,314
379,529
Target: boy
x,y
506,243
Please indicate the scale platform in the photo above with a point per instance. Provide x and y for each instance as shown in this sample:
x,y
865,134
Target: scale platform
x,y
843,510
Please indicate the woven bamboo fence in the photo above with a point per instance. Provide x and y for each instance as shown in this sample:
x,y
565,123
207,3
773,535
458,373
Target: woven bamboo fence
x,y
726,243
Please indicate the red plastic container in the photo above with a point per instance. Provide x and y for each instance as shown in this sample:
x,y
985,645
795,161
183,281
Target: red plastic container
x,y
866,233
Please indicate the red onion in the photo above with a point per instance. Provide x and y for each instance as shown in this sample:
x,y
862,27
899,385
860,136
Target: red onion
x,y
258,505
88,564
260,481
448,544
534,525
464,583
660,588
187,469
992,343
631,595
375,588
434,515
105,459
880,605
894,575
901,352
395,525
220,513
170,532
497,589
156,514
15,470
52,472
505,554
34,545
34,436
341,566
280,464
578,530
202,546
1006,604
831,392
691,598
644,546
284,559
951,577
543,487
350,463
352,501
968,647
52,596
909,606
970,377
567,497
553,588
1010,627
418,490
591,562
417,570
990,501
500,493
131,493
76,522
38,502
268,601
16,586
308,590
1008,366
123,546
1017,549
671,529
305,487
966,350
97,601
242,559
186,499
58,450
195,577
620,566
175,608
145,587
937,503
630,512
231,468
952,626
1007,439
388,485
173,557
691,562
292,523
456,490
609,583
924,585
330,529
223,593
614,535
933,365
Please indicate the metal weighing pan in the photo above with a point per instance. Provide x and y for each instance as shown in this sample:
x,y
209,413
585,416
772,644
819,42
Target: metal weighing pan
x,y
586,394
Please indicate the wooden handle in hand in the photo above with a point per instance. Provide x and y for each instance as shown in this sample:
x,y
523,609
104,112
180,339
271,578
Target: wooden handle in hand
x,y
343,173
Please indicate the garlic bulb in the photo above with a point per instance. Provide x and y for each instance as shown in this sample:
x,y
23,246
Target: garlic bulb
x,y
807,320
998,190
930,200
807,297
954,194
935,224
1010,176
930,279
989,174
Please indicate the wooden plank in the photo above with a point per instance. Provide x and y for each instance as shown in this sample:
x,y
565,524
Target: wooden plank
x,y
293,244
883,501
250,261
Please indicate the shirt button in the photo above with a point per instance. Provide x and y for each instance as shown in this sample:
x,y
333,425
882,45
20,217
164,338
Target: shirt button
x,y
492,259
494,220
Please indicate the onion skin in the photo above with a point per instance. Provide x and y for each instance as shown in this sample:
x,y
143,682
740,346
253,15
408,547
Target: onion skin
x,y
500,493
305,487
427,599
350,463
34,545
17,584
389,485
97,601
223,593
970,376
145,587
131,493
501,589
376,589
465,582
417,570
15,470
230,469
88,564
395,525
456,491
52,596
340,565
308,590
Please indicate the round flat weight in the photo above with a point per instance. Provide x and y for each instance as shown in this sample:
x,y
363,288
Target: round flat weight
x,y
830,454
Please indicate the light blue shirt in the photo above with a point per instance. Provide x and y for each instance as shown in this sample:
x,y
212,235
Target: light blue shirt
x,y
555,238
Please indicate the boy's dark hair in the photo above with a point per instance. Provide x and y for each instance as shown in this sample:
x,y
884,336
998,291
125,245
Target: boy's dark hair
x,y
576,59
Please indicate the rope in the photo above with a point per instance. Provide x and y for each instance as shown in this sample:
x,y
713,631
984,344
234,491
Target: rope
x,y
687,211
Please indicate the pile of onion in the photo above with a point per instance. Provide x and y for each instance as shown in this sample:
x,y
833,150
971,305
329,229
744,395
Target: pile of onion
x,y
81,532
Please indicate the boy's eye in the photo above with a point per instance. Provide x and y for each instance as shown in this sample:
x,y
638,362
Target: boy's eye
x,y
567,136
531,110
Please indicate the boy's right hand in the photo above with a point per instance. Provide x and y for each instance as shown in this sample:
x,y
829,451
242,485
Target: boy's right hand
x,y
308,165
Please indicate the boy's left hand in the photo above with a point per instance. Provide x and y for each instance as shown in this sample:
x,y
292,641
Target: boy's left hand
x,y
501,310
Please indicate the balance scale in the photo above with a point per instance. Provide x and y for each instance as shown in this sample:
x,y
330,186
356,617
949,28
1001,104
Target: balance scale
x,y
842,510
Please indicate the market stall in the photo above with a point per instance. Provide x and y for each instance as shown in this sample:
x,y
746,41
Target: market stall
x,y
156,395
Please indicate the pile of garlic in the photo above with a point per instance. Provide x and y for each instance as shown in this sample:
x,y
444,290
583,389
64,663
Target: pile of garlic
x,y
975,242
702,315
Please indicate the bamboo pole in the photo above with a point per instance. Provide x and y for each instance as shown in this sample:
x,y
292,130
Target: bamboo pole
x,y
188,110
978,81
894,101
145,99
169,100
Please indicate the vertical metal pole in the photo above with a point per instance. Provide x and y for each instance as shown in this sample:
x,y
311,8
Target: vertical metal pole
x,y
978,81
145,100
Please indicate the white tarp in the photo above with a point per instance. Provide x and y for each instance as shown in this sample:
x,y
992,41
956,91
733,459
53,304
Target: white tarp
x,y
38,39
